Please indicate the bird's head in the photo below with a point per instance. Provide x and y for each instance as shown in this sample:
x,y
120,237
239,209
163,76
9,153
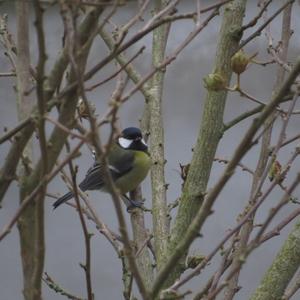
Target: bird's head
x,y
131,138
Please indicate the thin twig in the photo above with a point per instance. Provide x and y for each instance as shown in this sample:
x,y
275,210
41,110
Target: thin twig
x,y
87,236
205,209
140,51
15,130
253,22
258,31
46,179
57,288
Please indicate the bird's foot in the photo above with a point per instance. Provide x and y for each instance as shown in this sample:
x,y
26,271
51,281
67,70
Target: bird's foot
x,y
132,204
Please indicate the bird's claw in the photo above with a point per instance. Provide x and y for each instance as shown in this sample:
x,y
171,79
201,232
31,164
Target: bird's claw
x,y
134,204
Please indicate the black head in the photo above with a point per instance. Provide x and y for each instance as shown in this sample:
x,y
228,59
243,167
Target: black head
x,y
131,138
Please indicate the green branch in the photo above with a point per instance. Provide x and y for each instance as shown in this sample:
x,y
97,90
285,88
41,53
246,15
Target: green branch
x,y
159,201
210,130
205,210
282,270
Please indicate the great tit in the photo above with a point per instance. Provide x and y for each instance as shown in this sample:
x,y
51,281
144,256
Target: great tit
x,y
128,163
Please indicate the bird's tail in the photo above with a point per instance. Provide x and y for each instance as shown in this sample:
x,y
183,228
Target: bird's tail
x,y
63,199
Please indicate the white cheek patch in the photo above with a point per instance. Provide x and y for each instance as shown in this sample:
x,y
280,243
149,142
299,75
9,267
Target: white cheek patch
x,y
142,140
124,143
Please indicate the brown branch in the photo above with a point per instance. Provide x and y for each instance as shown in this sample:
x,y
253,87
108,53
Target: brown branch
x,y
205,209
57,288
102,156
67,130
156,129
122,32
263,167
87,236
243,116
15,130
39,212
244,220
290,140
91,214
53,81
242,166
46,179
132,41
258,31
117,72
194,190
8,74
253,22
277,229
141,239
166,9
171,57
68,14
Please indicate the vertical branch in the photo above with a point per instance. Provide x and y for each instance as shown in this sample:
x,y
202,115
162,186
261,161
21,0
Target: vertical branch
x,y
210,128
87,236
159,201
121,59
196,225
140,235
26,224
39,216
52,82
262,162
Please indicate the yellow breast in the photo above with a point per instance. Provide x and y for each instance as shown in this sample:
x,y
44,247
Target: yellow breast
x,y
136,175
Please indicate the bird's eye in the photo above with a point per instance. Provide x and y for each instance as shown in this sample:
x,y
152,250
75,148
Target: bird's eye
x,y
124,143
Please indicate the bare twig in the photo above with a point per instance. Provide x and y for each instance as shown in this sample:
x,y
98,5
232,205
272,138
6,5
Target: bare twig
x,y
47,178
57,288
226,161
140,51
290,140
67,130
258,31
8,74
15,130
91,214
205,209
87,236
253,22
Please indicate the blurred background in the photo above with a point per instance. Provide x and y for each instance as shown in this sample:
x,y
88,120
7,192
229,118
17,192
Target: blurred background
x,y
183,100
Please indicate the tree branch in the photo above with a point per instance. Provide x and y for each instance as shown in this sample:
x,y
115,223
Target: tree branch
x,y
159,201
210,131
205,209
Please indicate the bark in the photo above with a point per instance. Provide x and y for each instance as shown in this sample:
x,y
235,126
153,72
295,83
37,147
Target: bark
x,y
282,270
159,201
210,129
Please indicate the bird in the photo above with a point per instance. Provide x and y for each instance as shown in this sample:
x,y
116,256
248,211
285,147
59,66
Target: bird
x,y
128,162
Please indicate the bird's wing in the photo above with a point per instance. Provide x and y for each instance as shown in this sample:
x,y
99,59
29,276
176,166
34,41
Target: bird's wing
x,y
117,167
121,162
93,179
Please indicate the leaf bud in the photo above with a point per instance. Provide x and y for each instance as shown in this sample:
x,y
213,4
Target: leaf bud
x,y
239,62
214,82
